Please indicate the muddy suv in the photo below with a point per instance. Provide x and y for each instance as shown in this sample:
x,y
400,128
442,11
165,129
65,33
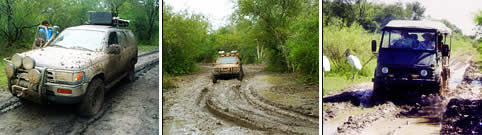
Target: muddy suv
x,y
413,55
227,65
75,67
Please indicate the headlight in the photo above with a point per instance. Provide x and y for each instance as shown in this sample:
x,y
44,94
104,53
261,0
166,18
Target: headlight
x,y
10,70
68,76
34,75
17,60
423,72
384,70
28,63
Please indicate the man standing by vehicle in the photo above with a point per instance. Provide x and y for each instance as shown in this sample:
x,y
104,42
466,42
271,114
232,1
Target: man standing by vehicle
x,y
48,33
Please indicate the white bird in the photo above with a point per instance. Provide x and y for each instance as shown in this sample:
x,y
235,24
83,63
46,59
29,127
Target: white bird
x,y
354,62
326,64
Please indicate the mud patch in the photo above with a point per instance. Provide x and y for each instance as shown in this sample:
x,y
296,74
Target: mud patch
x,y
462,117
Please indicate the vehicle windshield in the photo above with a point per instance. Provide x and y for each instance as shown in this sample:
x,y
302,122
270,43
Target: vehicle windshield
x,y
80,39
415,40
227,60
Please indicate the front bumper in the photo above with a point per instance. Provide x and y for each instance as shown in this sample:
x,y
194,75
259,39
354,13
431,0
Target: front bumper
x,y
406,83
45,91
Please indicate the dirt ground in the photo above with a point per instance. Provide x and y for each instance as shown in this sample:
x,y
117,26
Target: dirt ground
x,y
259,104
129,108
350,111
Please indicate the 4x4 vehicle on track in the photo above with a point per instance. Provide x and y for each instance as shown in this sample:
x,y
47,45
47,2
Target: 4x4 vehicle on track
x,y
78,66
228,65
409,62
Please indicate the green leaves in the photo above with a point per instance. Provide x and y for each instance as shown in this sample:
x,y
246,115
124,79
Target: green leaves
x,y
185,35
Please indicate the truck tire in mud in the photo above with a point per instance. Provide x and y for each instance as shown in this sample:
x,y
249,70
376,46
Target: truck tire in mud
x,y
131,73
240,76
93,99
379,93
215,79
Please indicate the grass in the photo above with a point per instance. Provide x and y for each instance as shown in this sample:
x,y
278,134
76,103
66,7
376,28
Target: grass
x,y
145,48
336,39
335,83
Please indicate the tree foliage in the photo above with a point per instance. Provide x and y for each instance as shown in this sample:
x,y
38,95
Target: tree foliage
x,y
283,34
19,18
369,15
184,35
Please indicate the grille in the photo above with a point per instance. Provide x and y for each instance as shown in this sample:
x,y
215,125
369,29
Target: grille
x,y
50,76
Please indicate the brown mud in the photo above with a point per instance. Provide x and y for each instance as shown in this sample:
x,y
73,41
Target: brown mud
x,y
231,106
350,111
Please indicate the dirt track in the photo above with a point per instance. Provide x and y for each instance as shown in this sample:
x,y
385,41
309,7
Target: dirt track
x,y
129,108
230,106
350,111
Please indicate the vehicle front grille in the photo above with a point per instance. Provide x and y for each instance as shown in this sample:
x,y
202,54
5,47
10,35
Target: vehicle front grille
x,y
50,76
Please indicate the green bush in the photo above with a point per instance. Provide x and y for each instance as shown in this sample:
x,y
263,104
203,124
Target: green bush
x,y
338,38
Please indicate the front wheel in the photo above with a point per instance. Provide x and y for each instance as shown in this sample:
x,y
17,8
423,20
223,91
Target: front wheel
x,y
379,92
93,99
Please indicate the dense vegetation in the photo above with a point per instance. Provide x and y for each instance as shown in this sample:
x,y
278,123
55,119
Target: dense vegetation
x,y
19,18
280,33
352,24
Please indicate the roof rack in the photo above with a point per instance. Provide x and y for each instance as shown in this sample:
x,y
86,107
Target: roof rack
x,y
106,18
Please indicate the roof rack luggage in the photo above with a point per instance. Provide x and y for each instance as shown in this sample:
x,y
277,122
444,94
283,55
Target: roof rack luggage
x,y
106,18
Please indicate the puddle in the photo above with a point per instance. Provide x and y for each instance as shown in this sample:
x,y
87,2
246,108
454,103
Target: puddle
x,y
177,127
476,84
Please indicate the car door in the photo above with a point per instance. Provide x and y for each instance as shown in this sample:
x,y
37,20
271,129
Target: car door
x,y
113,66
124,43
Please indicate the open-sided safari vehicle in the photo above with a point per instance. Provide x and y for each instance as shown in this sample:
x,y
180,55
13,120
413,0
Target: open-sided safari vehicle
x,y
227,65
413,56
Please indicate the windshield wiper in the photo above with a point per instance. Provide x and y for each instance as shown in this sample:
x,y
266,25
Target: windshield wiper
x,y
80,47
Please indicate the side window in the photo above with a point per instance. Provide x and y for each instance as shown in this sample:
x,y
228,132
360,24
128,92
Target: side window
x,y
113,38
122,38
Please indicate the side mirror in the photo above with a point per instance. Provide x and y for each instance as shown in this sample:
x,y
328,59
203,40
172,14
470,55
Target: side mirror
x,y
113,49
374,46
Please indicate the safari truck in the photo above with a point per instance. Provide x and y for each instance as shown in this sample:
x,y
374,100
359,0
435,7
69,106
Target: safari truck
x,y
412,56
228,65
77,67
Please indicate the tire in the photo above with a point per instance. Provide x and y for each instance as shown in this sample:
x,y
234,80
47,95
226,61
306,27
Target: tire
x,y
240,76
131,73
379,92
215,79
92,101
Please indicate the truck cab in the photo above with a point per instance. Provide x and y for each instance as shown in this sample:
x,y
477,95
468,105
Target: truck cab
x,y
412,56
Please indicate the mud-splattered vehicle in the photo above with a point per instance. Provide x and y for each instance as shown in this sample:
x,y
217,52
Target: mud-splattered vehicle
x,y
413,56
228,65
76,67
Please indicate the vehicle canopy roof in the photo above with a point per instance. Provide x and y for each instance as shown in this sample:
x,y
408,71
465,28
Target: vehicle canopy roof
x,y
425,24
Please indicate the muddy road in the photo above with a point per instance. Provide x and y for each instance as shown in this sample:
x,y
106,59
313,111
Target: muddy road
x,y
129,108
350,111
231,106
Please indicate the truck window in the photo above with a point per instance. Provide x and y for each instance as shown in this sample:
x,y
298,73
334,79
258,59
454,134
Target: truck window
x,y
113,38
122,38
409,40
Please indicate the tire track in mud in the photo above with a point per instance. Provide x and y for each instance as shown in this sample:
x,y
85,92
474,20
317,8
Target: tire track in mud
x,y
420,115
78,124
233,100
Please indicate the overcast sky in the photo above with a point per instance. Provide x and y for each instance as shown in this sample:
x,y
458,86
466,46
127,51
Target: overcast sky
x,y
458,12
217,11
